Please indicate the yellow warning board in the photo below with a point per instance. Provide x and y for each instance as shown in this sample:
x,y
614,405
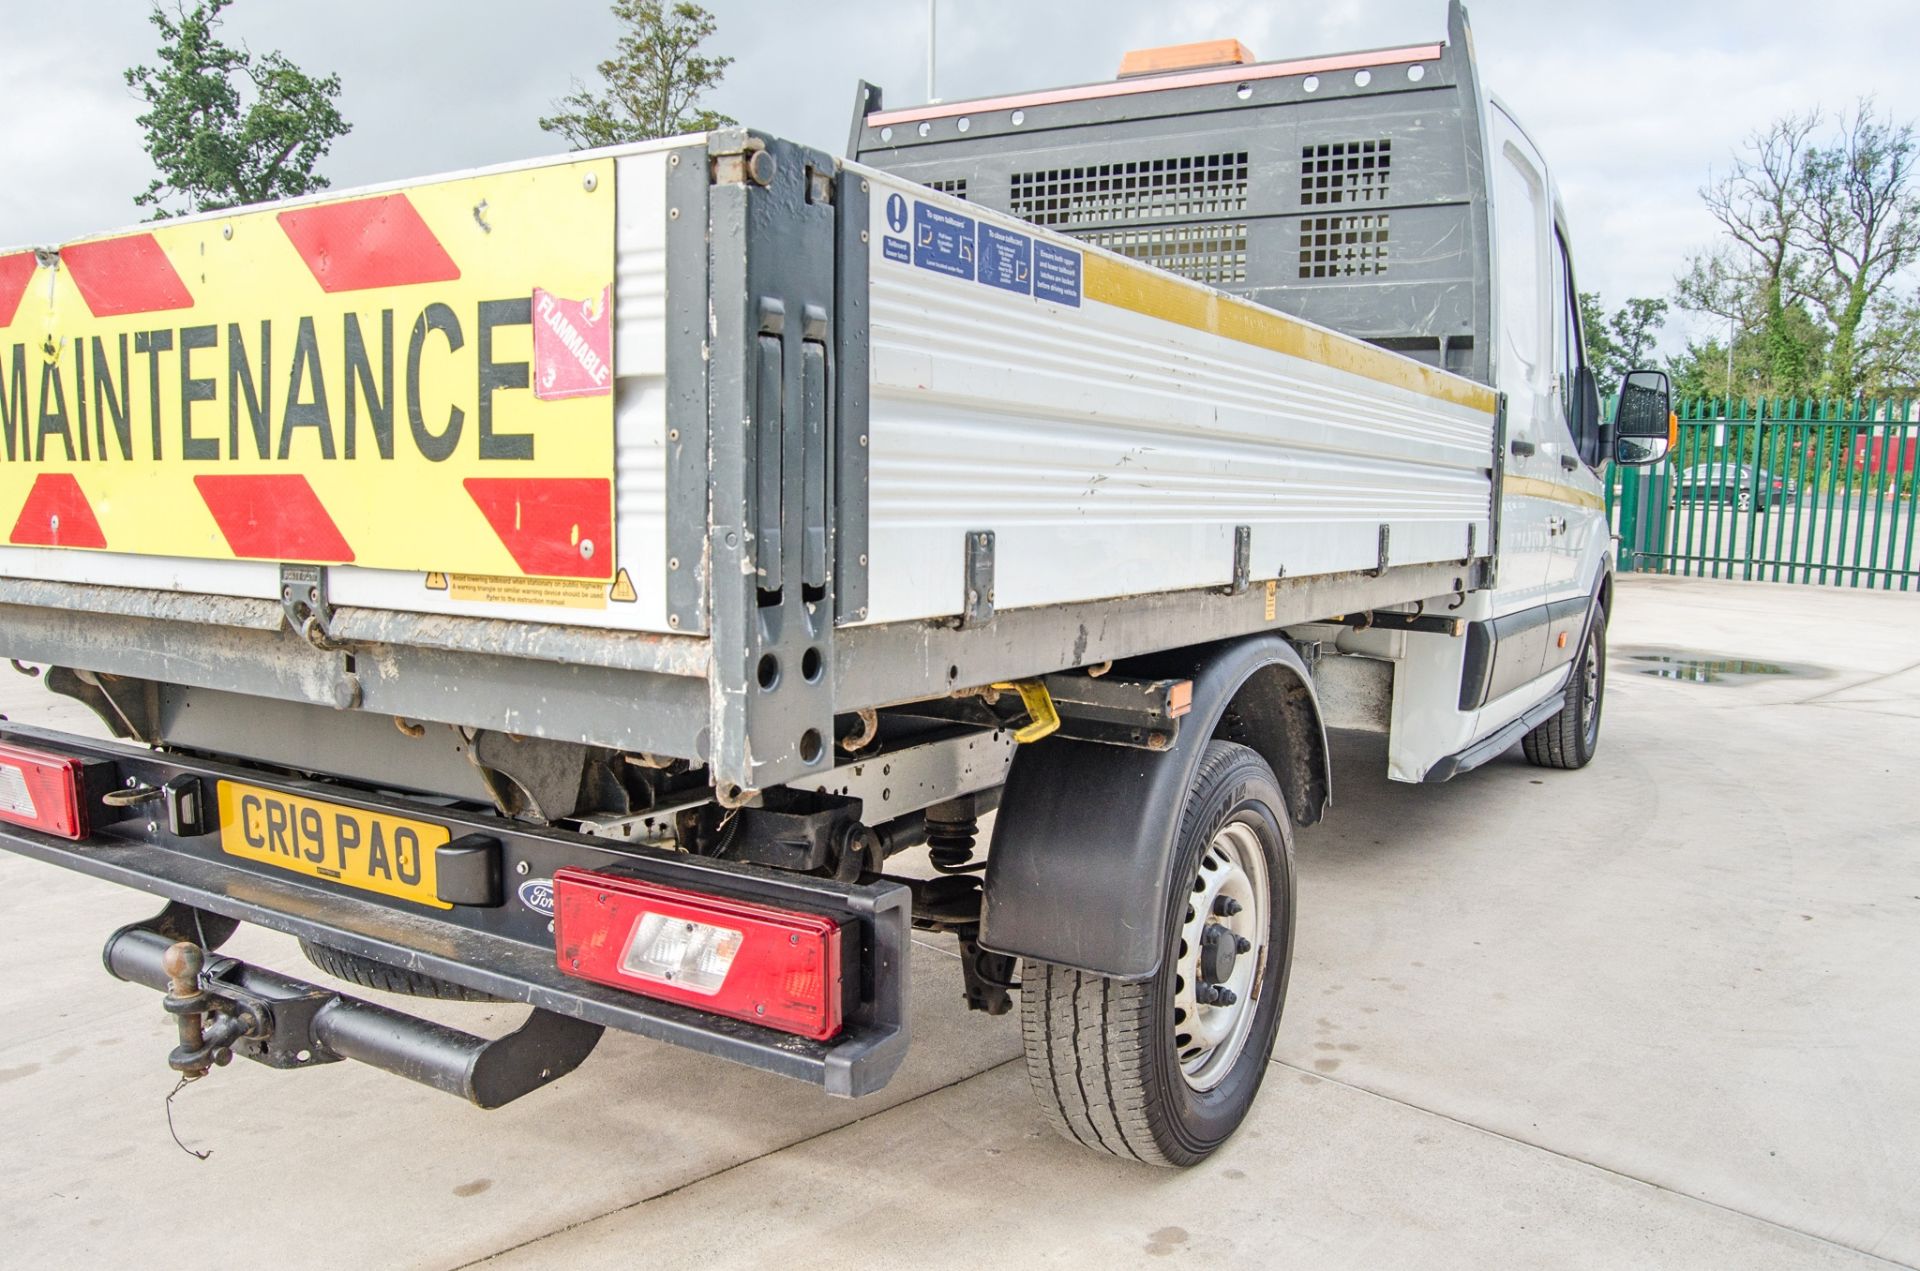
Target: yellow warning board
x,y
416,378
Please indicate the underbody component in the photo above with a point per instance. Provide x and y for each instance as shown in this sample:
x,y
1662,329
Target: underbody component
x,y
225,1007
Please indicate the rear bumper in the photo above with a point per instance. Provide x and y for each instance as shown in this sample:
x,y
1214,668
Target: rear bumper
x,y
504,949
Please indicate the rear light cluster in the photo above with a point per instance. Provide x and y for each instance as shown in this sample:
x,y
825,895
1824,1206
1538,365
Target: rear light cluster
x,y
42,791
775,967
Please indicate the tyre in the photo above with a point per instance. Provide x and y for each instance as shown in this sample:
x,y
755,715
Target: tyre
x,y
1569,739
367,973
1164,1070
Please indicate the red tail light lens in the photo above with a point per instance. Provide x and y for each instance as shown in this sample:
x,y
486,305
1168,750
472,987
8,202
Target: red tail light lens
x,y
42,791
775,967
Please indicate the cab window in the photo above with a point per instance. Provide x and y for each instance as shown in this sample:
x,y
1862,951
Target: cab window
x,y
1566,327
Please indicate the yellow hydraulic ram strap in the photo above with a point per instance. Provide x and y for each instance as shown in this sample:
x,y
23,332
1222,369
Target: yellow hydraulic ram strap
x,y
1042,719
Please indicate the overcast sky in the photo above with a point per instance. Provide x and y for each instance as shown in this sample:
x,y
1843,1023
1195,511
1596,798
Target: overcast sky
x,y
1631,100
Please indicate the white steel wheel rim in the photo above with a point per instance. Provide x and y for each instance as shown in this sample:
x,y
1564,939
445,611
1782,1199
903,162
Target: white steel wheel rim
x,y
1208,1039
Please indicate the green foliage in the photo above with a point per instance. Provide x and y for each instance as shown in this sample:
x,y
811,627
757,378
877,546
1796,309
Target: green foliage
x,y
225,126
1624,342
1861,229
1816,233
654,81
1702,370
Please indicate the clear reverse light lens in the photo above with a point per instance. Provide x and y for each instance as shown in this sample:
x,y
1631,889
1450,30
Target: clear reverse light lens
x,y
15,797
693,955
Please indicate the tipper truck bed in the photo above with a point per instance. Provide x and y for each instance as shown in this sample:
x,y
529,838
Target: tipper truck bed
x,y
571,583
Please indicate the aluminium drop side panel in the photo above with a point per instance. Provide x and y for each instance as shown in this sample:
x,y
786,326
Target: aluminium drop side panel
x,y
1112,431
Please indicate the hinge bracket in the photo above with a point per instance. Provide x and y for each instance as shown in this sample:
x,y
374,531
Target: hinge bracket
x,y
1242,559
976,608
303,599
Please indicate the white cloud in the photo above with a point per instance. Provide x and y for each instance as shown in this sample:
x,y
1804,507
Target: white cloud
x,y
1631,101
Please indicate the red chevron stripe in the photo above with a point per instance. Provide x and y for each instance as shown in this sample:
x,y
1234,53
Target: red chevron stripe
x,y
377,242
57,514
125,275
546,522
273,517
15,272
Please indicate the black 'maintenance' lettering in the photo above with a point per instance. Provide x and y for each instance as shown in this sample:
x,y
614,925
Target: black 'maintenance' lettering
x,y
14,421
153,344
80,395
196,390
360,379
111,401
260,403
52,420
435,446
495,375
313,414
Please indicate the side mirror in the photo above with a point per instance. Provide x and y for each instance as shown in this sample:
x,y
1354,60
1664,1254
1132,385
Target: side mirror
x,y
1589,434
1644,427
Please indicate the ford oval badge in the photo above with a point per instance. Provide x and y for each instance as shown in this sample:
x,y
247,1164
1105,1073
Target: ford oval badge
x,y
537,895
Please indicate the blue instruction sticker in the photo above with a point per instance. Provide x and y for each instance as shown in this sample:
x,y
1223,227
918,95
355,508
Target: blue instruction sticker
x,y
1056,274
1006,259
896,249
896,213
943,242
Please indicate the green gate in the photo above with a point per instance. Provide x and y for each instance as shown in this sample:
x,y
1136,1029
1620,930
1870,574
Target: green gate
x,y
1777,491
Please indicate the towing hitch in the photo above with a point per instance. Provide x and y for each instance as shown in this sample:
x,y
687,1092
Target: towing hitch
x,y
224,1007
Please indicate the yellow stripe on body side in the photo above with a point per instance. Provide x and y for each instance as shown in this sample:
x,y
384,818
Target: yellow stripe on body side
x,y
1535,488
1144,289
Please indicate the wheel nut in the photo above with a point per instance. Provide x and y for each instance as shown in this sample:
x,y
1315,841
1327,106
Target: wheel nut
x,y
1243,945
1224,996
1225,906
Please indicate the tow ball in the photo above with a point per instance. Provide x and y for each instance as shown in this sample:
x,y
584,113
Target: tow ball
x,y
224,1007
209,1026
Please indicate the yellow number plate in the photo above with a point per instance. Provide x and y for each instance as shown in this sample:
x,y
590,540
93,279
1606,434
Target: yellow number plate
x,y
368,850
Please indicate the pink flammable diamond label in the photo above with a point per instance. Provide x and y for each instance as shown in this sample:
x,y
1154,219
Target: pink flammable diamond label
x,y
572,345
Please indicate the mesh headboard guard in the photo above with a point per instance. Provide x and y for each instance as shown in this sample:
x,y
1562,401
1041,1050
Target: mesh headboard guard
x,y
1347,190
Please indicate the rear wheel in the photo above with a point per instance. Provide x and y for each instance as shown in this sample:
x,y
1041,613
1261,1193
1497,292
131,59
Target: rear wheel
x,y
1164,1070
1570,737
367,973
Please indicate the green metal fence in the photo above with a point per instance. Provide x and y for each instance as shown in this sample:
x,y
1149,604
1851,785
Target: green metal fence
x,y
1777,491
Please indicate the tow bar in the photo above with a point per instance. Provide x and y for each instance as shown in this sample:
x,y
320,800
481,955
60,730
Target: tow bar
x,y
225,1007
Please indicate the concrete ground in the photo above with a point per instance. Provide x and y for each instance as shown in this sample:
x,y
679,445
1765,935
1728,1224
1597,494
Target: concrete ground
x,y
1663,1012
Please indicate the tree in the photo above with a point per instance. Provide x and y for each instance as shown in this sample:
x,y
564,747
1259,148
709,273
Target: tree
x,y
1889,353
1761,206
1703,369
1861,228
654,80
226,127
1624,342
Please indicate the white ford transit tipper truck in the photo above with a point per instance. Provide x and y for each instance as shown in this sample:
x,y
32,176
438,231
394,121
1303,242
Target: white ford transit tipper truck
x,y
576,582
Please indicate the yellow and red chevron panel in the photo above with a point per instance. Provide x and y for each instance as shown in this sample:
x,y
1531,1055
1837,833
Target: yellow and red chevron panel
x,y
419,379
